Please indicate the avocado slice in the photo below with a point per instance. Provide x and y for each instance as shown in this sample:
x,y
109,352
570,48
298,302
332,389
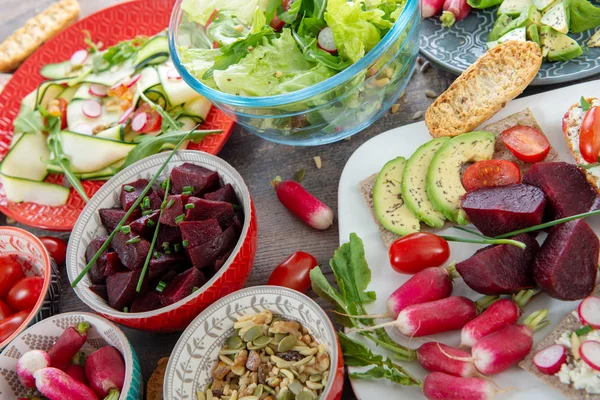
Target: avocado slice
x,y
501,27
558,46
557,17
542,4
584,16
594,40
514,8
444,185
414,184
505,24
516,34
390,208
533,34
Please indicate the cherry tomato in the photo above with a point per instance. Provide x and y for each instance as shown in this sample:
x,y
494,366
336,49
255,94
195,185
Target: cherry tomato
x,y
589,135
276,23
11,324
294,272
25,293
153,121
526,143
5,310
416,251
10,273
490,173
56,247
62,106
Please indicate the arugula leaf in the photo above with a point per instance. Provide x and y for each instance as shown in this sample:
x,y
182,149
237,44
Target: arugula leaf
x,y
122,51
324,290
29,122
272,7
290,16
585,105
382,373
314,54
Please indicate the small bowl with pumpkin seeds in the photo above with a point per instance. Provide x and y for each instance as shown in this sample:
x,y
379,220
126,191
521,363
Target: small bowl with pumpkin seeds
x,y
260,343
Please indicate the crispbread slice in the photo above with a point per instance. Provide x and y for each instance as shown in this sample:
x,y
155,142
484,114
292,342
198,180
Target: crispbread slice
x,y
497,77
570,323
524,117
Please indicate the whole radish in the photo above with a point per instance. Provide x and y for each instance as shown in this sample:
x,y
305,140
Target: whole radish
x,y
550,360
57,385
303,204
105,372
429,8
77,372
454,10
68,344
433,357
440,386
29,363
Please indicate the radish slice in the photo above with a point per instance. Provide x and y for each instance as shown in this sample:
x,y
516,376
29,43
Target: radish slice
x,y
125,116
173,74
549,360
133,80
116,85
98,90
79,57
82,128
325,40
589,312
138,123
590,353
91,108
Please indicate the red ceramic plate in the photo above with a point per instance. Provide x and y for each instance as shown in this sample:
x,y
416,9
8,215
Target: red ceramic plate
x,y
111,25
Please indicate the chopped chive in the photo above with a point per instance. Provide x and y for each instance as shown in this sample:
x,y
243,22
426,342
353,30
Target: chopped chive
x,y
180,218
584,330
128,188
133,240
163,205
170,203
165,245
125,309
189,206
156,254
161,286
167,251
188,188
147,212
195,288
177,247
163,185
150,223
186,193
185,243
126,229
146,202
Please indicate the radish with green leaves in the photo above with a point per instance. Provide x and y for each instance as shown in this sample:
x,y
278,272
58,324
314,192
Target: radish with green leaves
x,y
589,312
105,372
550,360
440,386
57,385
433,357
29,363
68,344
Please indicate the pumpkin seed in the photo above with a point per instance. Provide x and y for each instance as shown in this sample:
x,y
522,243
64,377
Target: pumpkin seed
x,y
209,395
269,350
288,374
268,389
286,344
313,385
235,342
252,333
249,398
258,391
251,346
295,387
304,361
261,341
304,396
285,394
229,352
279,336
200,395
226,360
316,377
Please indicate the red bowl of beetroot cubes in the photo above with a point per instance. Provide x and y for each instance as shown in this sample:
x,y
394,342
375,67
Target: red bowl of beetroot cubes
x,y
162,240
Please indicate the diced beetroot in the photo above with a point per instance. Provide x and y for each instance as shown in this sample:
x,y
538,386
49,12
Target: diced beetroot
x,y
208,209
176,202
97,271
207,253
159,266
132,255
113,264
222,260
121,288
499,210
129,197
111,217
501,269
226,193
169,276
237,223
171,234
198,232
182,286
156,199
147,302
100,290
201,179
565,186
140,226
566,266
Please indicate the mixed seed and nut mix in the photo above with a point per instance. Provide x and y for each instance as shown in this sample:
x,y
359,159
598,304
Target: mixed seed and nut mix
x,y
269,358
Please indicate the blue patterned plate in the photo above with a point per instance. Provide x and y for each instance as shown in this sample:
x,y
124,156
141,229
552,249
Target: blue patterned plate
x,y
456,48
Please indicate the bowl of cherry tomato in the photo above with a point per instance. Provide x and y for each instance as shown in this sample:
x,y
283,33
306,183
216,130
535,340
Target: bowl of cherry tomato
x,y
29,284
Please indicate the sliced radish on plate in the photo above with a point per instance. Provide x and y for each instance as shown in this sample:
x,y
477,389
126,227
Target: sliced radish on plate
x,y
138,123
79,57
549,360
82,128
590,353
173,74
98,90
91,108
133,80
325,40
125,116
116,85
589,311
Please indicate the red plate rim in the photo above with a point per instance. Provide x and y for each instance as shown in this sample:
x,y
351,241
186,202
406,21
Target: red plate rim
x,y
109,25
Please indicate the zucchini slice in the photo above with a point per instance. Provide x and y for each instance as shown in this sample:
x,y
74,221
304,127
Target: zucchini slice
x,y
154,51
75,116
19,189
64,70
177,91
25,158
104,173
111,76
69,93
114,133
91,153
48,91
83,92
197,108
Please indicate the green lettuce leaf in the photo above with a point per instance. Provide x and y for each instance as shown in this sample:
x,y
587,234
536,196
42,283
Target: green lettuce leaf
x,y
226,28
198,61
584,15
200,10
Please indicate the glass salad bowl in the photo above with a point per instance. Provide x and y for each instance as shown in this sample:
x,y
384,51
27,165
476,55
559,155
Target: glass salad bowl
x,y
327,111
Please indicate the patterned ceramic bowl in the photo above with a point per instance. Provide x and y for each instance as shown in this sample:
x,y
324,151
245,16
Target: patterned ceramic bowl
x,y
42,336
28,251
231,277
197,350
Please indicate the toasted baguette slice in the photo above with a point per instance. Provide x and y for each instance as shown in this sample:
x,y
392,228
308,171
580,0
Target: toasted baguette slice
x,y
497,77
17,47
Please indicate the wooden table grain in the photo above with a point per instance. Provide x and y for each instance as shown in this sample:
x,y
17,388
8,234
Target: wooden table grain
x,y
259,161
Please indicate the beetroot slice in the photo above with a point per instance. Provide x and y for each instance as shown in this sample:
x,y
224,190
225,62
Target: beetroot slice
x,y
141,227
111,217
100,290
182,286
173,209
206,254
129,197
499,210
566,266
501,269
199,178
152,300
565,186
160,266
96,273
226,193
132,255
208,209
121,288
198,232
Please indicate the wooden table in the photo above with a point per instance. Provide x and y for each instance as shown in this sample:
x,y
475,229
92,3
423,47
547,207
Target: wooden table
x,y
259,161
